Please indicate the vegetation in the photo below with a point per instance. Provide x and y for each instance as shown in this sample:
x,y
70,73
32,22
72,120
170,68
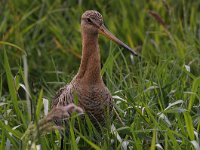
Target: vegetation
x,y
156,96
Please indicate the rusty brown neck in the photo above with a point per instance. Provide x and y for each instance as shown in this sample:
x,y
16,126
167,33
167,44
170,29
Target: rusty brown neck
x,y
90,67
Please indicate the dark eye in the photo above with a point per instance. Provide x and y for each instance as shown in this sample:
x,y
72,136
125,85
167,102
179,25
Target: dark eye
x,y
89,20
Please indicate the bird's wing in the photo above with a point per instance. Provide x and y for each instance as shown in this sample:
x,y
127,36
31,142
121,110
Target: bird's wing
x,y
64,96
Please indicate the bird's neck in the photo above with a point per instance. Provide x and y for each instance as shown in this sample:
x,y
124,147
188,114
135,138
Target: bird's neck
x,y
90,67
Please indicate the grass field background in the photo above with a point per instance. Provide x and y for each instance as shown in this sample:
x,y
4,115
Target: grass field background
x,y
157,96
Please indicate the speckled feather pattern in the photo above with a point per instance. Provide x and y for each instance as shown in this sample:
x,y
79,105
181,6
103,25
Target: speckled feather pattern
x,y
93,14
93,100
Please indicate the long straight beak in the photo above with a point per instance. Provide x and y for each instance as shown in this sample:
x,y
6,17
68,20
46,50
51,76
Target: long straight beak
x,y
104,31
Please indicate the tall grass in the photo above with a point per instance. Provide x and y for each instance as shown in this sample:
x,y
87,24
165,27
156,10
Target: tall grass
x,y
156,96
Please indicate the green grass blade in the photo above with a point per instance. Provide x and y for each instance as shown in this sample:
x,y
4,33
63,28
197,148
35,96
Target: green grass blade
x,y
173,140
90,143
73,140
195,86
3,140
27,86
1,83
153,141
12,139
189,125
12,90
13,45
39,105
7,128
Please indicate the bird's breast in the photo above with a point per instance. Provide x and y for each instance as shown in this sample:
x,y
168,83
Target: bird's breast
x,y
95,101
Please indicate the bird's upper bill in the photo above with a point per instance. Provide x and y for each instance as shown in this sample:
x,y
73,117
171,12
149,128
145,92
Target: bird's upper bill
x,y
94,19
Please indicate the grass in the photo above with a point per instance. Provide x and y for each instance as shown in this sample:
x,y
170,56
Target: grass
x,y
157,97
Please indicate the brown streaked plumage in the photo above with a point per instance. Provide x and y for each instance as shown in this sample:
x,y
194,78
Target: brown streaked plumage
x,y
93,96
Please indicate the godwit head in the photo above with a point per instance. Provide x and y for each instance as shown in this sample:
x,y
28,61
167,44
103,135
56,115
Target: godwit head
x,y
92,23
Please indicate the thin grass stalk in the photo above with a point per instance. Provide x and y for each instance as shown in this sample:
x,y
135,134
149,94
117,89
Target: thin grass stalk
x,y
25,63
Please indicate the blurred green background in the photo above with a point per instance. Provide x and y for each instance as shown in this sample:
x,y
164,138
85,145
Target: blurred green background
x,y
48,31
42,40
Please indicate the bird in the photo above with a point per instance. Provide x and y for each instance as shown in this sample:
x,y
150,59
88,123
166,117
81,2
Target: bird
x,y
93,95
